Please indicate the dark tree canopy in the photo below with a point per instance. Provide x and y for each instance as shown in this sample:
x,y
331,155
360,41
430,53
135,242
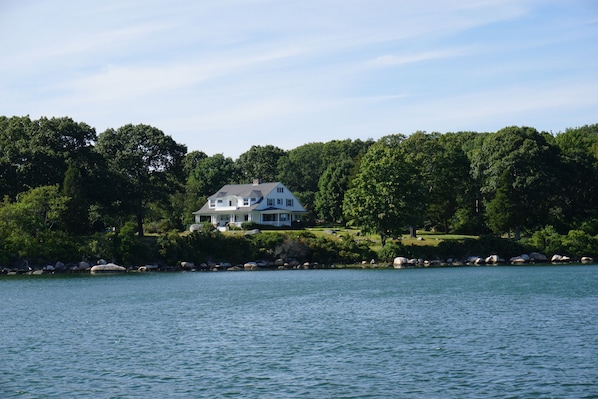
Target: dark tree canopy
x,y
37,152
260,162
147,163
531,159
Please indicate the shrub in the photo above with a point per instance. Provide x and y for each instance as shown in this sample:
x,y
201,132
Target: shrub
x,y
391,251
579,243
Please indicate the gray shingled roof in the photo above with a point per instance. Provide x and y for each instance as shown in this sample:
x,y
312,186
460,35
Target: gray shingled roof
x,y
240,190
245,190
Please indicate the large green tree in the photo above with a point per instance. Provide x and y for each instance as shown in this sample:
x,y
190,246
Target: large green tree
x,y
578,187
386,195
147,165
443,169
260,162
531,161
332,186
37,152
300,171
30,226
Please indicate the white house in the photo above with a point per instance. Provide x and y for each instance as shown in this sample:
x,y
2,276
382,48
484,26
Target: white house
x,y
262,203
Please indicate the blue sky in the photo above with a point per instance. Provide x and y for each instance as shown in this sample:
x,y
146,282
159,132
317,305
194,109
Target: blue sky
x,y
223,75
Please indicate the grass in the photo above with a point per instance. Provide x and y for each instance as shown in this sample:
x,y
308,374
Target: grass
x,y
424,238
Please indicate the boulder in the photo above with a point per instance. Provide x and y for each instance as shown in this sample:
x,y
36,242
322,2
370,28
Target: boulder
x,y
518,260
401,262
556,258
538,257
474,260
84,265
492,259
107,268
587,259
250,266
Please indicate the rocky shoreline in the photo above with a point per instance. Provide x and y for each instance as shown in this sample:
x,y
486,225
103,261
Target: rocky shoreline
x,y
103,267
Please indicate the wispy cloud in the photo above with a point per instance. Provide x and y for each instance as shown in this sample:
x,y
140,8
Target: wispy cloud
x,y
393,60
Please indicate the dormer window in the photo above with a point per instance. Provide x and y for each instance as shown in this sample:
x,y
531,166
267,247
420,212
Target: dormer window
x,y
212,203
245,201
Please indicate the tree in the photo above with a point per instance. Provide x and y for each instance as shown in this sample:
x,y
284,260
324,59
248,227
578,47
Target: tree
x,y
443,169
260,162
207,176
502,211
303,166
29,225
300,171
577,191
332,186
532,162
36,153
77,218
385,196
147,164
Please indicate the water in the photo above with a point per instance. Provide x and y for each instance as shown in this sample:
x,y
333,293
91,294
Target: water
x,y
501,332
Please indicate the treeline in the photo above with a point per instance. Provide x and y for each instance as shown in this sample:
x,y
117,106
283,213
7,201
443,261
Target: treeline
x,y
68,191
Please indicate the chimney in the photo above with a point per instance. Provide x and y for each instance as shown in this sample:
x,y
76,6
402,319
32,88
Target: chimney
x,y
257,182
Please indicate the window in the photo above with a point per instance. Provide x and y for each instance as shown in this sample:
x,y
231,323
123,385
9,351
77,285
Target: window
x,y
284,217
278,201
267,217
270,201
289,202
245,201
212,203
279,189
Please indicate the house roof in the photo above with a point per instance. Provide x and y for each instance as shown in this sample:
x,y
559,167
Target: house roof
x,y
245,190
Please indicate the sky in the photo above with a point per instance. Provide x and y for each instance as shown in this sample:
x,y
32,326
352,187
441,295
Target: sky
x,y
223,75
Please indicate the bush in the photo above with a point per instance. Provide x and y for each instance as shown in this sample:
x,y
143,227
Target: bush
x,y
391,250
578,243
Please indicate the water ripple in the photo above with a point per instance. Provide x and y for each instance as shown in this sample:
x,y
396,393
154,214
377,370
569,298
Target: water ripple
x,y
463,333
